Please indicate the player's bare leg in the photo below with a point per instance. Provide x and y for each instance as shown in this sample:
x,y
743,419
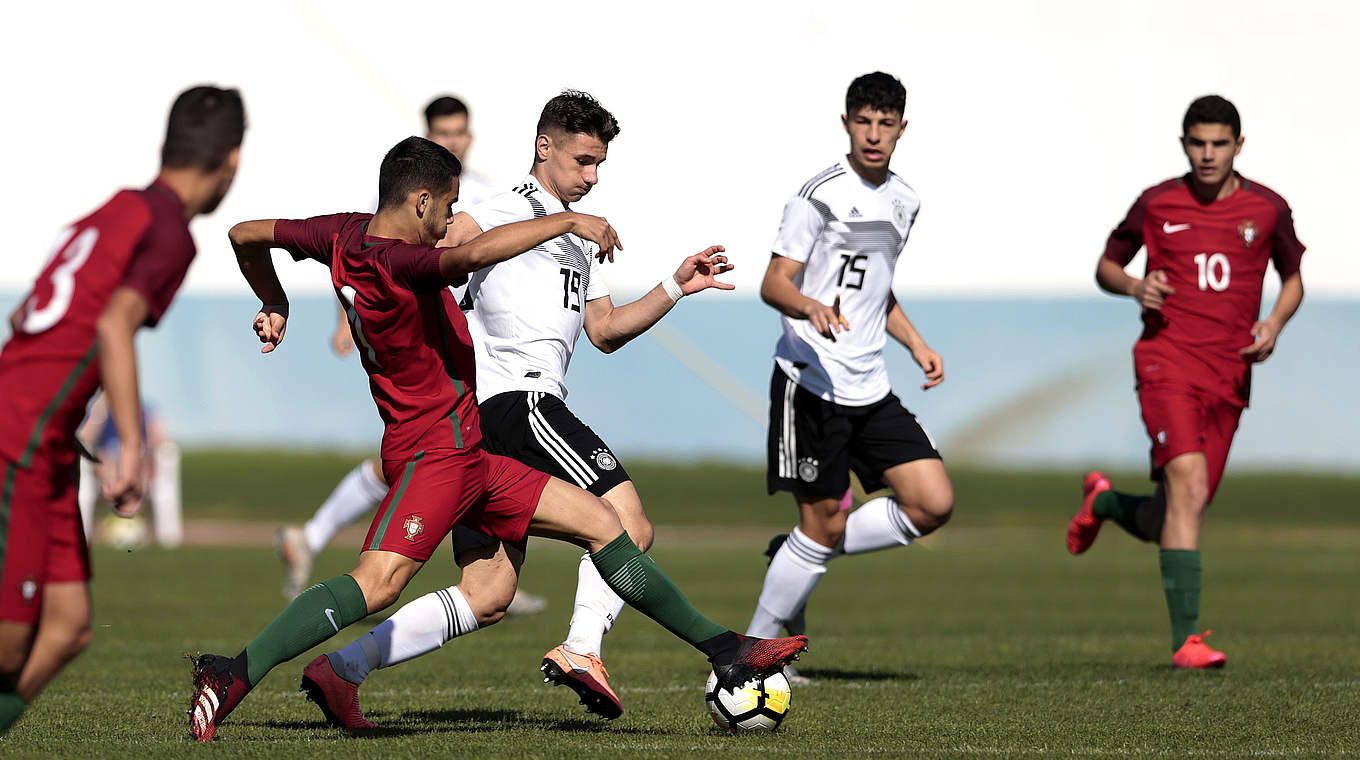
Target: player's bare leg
x,y
1186,483
63,633
16,641
571,514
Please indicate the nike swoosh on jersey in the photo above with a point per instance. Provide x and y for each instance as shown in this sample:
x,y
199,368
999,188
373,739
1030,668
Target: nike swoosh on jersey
x,y
1170,228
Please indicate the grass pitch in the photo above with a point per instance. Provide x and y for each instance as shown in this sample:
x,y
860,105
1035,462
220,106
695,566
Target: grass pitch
x,y
986,640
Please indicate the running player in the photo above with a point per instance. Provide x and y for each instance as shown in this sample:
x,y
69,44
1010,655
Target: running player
x,y
831,407
1210,236
527,314
110,273
414,344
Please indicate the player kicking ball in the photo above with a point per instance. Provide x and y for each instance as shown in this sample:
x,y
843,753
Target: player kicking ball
x,y
110,274
526,315
1210,236
414,344
831,407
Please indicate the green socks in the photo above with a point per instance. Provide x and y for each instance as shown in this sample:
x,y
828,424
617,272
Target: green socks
x,y
1181,571
1123,509
639,582
316,615
11,707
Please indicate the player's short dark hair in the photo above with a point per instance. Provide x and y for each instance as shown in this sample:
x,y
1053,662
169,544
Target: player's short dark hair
x,y
877,92
206,124
415,164
444,105
576,112
1212,109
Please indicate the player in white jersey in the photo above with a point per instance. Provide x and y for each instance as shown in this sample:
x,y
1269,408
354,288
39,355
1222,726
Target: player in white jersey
x,y
525,315
831,407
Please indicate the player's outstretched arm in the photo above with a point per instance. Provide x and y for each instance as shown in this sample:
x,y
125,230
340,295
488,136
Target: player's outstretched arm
x,y
510,240
125,311
251,241
904,332
777,290
611,328
1151,291
1268,330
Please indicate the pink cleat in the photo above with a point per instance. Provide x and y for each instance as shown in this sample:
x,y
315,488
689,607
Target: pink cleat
x,y
1082,530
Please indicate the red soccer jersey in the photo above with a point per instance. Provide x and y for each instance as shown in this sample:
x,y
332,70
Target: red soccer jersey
x,y
1215,256
411,335
139,239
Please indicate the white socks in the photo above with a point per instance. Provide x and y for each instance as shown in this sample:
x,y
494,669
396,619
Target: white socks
x,y
878,524
597,607
418,628
795,570
359,492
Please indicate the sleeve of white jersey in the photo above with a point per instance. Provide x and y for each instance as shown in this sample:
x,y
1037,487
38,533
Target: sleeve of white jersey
x,y
798,230
598,288
501,209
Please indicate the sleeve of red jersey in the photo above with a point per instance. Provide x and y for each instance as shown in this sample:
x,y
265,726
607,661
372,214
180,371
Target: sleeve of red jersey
x,y
158,265
311,238
415,267
1285,249
1127,238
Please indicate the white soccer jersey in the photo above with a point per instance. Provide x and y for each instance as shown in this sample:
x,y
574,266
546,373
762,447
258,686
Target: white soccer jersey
x,y
527,312
847,234
473,188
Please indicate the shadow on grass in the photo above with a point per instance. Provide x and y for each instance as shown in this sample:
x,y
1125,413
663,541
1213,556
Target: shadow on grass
x,y
837,674
414,722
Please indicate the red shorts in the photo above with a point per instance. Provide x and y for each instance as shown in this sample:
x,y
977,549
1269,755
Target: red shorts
x,y
41,535
1181,419
434,490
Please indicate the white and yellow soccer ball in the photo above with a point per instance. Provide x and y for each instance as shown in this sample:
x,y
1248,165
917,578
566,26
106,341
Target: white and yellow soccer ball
x,y
760,704
126,533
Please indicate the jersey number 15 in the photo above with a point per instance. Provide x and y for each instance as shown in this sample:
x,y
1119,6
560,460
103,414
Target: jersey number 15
x,y
852,269
571,286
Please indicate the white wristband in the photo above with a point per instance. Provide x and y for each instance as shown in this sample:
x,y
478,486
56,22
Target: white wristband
x,y
672,289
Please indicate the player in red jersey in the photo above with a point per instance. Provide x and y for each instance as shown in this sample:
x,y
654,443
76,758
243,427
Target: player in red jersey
x,y
1210,236
414,344
110,273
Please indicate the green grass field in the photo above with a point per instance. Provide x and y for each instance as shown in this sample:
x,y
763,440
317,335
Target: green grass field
x,y
986,640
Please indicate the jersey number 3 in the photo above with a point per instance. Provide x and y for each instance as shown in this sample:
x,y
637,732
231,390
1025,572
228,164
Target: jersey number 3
x,y
72,255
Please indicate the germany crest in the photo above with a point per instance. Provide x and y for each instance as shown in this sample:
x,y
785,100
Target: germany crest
x,y
1247,231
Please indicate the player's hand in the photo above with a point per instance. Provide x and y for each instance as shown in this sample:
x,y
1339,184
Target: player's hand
x,y
700,271
342,342
931,364
270,325
826,320
123,485
1151,291
596,229
1260,349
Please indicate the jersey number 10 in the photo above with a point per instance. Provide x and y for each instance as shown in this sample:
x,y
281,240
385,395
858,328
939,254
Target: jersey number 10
x,y
1214,271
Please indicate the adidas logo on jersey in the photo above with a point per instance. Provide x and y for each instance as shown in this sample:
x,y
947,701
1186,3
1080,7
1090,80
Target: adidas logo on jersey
x,y
854,212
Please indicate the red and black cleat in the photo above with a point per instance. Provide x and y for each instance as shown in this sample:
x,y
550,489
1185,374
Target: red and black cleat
x,y
216,693
337,698
758,657
1085,526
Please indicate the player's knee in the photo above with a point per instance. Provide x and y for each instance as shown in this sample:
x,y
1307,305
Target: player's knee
x,y
827,530
380,593
12,661
642,533
934,512
76,639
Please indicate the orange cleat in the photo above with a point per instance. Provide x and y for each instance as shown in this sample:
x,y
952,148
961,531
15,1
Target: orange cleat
x,y
586,676
1082,530
337,698
1194,653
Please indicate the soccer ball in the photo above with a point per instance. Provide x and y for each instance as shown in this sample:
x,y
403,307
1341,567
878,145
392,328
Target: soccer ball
x,y
124,532
760,704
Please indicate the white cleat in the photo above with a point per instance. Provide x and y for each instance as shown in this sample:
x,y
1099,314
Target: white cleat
x,y
290,542
525,604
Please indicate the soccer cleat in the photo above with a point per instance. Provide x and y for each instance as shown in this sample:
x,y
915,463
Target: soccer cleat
x,y
756,657
1082,530
337,697
585,674
290,542
794,676
1194,653
525,604
773,547
216,693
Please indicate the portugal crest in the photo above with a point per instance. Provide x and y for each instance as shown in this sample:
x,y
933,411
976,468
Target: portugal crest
x,y
413,527
1247,231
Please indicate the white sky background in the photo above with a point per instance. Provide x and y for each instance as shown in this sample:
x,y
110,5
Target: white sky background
x,y
1033,125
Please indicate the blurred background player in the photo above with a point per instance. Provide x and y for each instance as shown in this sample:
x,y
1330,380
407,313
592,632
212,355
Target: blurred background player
x,y
832,409
100,436
111,273
527,314
1210,236
415,347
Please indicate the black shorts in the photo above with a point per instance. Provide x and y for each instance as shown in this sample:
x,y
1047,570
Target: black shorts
x,y
539,430
814,444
